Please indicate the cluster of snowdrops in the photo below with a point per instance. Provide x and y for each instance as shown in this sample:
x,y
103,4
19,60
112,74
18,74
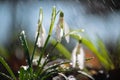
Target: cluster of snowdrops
x,y
42,71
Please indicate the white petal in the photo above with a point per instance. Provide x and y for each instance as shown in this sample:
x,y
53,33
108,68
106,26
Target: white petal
x,y
67,30
39,42
74,56
59,33
42,37
80,58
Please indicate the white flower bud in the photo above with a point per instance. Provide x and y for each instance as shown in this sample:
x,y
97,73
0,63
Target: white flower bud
x,y
42,37
78,56
62,29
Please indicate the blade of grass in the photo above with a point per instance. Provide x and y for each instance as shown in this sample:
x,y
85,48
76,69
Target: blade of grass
x,y
104,51
24,43
7,67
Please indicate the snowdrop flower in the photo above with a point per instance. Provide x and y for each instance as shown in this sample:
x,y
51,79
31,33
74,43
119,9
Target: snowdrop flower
x,y
41,31
78,56
62,28
42,37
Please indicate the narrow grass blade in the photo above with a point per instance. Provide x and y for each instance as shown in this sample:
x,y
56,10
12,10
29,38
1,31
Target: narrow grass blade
x,y
104,52
24,43
7,67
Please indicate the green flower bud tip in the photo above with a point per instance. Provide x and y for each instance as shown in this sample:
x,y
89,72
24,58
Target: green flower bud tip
x,y
61,14
80,40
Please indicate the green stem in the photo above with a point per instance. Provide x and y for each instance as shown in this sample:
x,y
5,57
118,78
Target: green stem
x,y
24,43
57,13
40,70
43,49
34,47
46,59
39,27
50,32
52,20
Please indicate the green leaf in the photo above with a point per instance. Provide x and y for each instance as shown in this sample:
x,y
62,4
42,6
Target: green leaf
x,y
94,49
104,52
24,43
62,49
7,67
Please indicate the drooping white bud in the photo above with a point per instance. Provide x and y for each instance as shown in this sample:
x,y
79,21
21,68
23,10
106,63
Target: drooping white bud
x,y
62,29
42,37
78,56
